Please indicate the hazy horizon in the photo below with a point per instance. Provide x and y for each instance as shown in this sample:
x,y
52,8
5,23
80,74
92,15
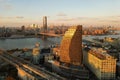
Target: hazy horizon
x,y
72,12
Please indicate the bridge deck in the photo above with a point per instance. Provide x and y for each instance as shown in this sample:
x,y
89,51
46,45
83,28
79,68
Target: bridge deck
x,y
51,35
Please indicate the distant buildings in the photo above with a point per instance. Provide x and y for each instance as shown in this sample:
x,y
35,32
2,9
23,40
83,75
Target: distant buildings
x,y
98,30
45,23
101,64
5,31
71,46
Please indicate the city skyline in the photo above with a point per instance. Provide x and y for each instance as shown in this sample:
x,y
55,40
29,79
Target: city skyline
x,y
84,12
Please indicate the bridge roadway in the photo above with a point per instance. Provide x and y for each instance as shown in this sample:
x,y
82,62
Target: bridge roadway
x,y
50,34
29,67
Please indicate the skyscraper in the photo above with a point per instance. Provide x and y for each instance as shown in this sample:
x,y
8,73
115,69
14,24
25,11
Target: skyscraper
x,y
23,28
71,46
45,24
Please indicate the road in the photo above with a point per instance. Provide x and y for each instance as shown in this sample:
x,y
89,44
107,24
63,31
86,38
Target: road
x,y
29,67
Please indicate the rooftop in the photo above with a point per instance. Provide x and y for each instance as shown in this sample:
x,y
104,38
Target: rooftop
x,y
100,53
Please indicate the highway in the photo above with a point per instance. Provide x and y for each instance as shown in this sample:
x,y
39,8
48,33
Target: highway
x,y
29,67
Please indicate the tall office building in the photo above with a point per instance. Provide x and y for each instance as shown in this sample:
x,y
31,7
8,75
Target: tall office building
x,y
23,28
71,46
45,24
101,64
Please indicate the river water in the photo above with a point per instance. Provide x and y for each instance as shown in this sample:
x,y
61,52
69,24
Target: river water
x,y
30,42
27,42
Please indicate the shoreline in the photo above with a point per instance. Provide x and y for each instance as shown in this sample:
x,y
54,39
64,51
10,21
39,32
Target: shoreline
x,y
3,38
18,37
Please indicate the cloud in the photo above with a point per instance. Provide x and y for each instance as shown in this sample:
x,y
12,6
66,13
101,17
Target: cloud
x,y
5,1
16,17
66,19
1,17
19,17
2,0
77,18
61,14
7,6
87,18
111,21
117,16
114,19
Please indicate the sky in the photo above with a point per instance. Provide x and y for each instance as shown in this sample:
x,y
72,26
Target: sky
x,y
60,12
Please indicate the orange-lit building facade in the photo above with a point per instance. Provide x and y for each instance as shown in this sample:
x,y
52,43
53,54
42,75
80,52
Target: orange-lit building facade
x,y
102,64
71,46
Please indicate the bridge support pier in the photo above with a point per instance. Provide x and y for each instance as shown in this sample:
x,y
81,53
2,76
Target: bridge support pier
x,y
23,75
44,37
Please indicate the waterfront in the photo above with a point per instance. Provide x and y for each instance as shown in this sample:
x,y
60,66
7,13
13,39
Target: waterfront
x,y
100,36
30,42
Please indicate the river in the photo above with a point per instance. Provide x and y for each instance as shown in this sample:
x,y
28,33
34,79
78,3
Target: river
x,y
30,42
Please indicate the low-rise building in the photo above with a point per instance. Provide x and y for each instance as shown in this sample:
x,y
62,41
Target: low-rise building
x,y
36,54
102,64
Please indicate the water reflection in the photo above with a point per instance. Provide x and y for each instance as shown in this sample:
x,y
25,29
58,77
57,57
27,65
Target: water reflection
x,y
27,42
